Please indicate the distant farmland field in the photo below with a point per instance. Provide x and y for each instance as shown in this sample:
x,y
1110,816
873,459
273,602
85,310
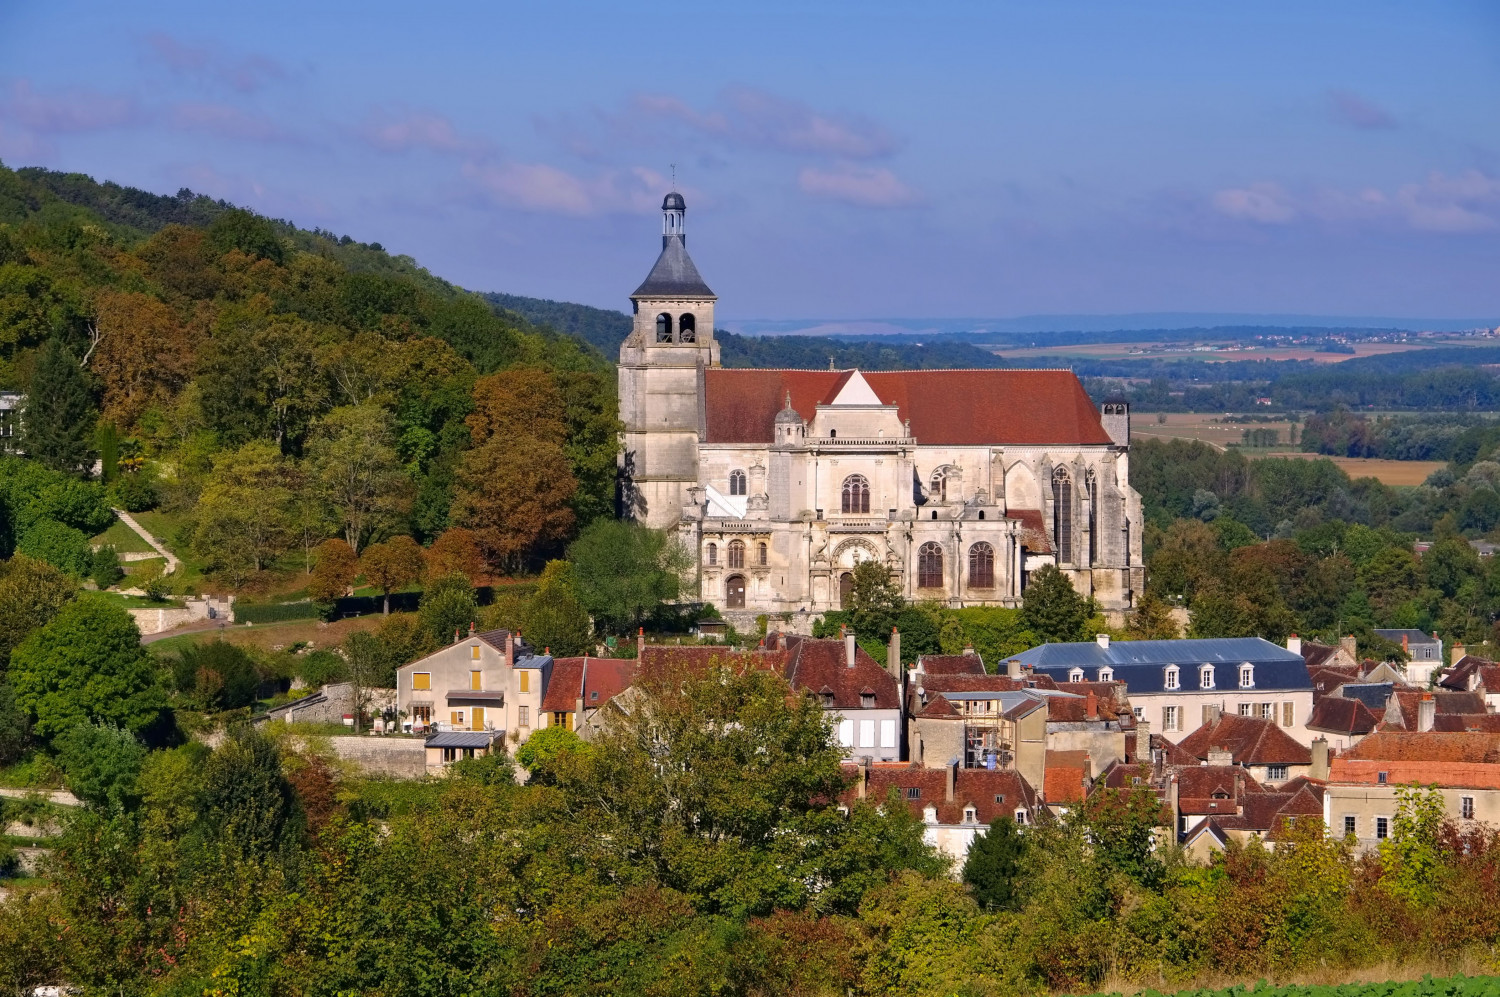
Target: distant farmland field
x,y
1387,472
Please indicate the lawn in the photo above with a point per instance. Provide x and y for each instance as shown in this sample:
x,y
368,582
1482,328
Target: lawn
x,y
122,538
267,636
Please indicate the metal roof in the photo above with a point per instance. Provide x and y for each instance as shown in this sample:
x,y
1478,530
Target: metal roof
x,y
1412,636
464,739
1373,694
1141,664
485,695
674,275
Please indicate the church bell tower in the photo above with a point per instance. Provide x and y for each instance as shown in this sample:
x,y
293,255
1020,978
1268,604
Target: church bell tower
x,y
661,379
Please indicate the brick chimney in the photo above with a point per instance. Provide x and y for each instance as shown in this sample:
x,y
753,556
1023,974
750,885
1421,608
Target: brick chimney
x,y
1319,768
848,648
510,649
1404,648
862,777
950,779
1013,668
1294,644
1426,712
968,649
1091,706
1458,651
640,643
893,656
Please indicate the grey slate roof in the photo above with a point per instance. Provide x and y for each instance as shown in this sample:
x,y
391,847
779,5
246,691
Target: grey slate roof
x,y
674,275
462,739
1373,694
1141,664
1412,636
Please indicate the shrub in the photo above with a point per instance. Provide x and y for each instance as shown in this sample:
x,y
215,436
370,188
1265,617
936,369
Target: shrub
x,y
66,548
137,492
106,570
321,668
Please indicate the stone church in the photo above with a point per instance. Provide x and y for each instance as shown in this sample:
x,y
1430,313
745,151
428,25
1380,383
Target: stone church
x,y
960,482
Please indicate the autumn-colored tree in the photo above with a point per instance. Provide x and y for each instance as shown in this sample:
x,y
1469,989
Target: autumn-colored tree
x,y
144,356
520,401
513,492
390,565
336,567
455,552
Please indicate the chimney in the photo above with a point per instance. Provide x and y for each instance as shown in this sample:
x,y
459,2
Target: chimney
x,y
471,628
1220,756
1350,647
510,649
1102,640
1294,644
1091,706
1458,651
1319,768
1173,805
1143,740
951,778
1013,668
455,635
640,643
893,656
968,649
1426,712
849,648
1215,712
862,777
1404,648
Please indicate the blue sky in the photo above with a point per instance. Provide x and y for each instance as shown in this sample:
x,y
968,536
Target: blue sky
x,y
840,160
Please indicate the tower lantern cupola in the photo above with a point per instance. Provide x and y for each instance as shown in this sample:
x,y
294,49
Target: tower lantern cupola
x,y
673,212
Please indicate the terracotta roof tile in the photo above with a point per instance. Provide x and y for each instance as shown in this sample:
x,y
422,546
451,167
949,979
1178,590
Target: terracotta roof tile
x,y
1337,715
1250,740
1067,773
991,793
952,664
606,678
815,665
565,685
1478,748
944,407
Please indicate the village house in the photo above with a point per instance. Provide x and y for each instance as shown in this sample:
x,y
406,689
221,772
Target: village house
x,y
1425,653
1475,675
1260,747
580,688
1363,782
1176,685
491,681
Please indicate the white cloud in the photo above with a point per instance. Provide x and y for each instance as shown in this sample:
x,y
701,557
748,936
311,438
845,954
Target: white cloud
x,y
864,186
401,131
1352,109
1465,202
547,189
1266,203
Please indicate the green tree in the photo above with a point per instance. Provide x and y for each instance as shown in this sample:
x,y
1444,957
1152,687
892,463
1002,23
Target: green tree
x,y
87,664
447,606
1052,609
105,568
246,803
357,471
58,420
995,866
63,547
31,593
624,571
1410,857
1120,827
15,726
245,514
543,749
1216,613
102,763
390,565
1152,620
554,617
217,674
874,600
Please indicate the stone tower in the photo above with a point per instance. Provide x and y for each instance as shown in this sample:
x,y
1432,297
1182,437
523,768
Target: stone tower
x,y
661,379
1114,414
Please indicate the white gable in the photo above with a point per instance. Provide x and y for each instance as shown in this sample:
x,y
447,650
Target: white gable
x,y
721,505
857,391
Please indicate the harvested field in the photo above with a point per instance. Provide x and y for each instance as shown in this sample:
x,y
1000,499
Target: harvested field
x,y
1387,472
1206,426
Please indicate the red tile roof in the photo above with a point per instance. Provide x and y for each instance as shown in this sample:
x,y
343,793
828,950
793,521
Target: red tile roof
x,y
945,407
1214,789
991,793
1431,746
1443,702
1489,722
1337,715
1452,775
1484,674
819,666
952,664
1066,776
606,678
1250,740
1033,530
565,685
938,708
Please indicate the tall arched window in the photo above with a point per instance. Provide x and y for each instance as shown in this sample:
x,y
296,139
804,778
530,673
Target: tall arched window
x,y
1062,515
736,482
1093,487
663,328
938,484
687,329
713,554
981,566
929,566
856,494
736,553
760,554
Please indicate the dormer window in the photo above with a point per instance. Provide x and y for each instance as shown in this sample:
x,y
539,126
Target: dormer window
x,y
737,482
1106,675
867,700
1206,677
1021,817
971,816
1247,676
1075,675
1170,678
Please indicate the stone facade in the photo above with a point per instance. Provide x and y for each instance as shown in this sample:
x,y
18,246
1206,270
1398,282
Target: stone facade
x,y
780,482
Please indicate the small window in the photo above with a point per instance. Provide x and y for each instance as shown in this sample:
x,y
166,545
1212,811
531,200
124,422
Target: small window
x,y
737,483
593,695
1139,712
760,554
421,681
1170,718
913,793
1351,825
474,652
1380,777
1247,676
1276,773
523,716
1206,677
525,680
736,553
1106,675
663,328
713,554
867,700
1466,807
1247,709
1075,675
456,717
1020,817
1268,711
999,797
687,329
970,815
1170,677
1382,827
1286,714
476,681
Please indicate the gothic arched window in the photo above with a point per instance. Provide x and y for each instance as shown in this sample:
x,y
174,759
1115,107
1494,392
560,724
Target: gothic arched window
x,y
737,482
856,494
687,329
736,553
1062,515
1092,483
760,554
981,566
713,553
930,566
663,328
938,483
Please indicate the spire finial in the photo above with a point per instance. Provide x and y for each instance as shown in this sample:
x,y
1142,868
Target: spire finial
x,y
674,176
789,398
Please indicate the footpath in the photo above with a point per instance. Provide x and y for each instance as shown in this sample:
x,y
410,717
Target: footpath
x,y
156,545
